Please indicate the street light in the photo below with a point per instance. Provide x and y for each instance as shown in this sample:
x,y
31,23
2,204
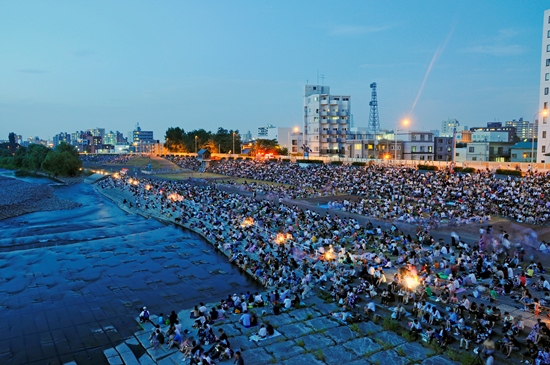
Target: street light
x,y
233,142
196,143
544,113
404,122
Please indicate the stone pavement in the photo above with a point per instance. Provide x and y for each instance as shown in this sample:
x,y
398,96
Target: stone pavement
x,y
308,335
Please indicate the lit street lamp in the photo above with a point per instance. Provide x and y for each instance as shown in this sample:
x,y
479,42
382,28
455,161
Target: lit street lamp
x,y
544,113
196,143
404,122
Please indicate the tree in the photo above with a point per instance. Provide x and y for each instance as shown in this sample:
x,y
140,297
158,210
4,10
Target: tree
x,y
211,146
62,163
265,146
175,140
36,154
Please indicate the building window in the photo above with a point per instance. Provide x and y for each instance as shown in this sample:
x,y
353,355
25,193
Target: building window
x,y
316,149
474,158
440,157
413,149
548,48
430,149
544,120
441,140
543,149
421,148
471,149
422,158
514,155
545,105
547,62
457,154
546,77
440,149
543,134
545,91
548,34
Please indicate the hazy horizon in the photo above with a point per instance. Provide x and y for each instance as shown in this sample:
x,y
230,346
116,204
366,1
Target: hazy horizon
x,y
71,66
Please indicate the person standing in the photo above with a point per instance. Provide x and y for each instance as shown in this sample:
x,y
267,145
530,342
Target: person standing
x,y
238,358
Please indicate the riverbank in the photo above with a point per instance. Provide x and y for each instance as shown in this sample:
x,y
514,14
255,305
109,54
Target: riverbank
x,y
18,197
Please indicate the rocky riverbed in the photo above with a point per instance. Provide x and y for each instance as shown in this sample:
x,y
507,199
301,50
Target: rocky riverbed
x,y
18,197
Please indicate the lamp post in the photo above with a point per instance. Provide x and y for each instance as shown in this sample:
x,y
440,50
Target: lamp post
x,y
544,113
404,122
233,142
196,143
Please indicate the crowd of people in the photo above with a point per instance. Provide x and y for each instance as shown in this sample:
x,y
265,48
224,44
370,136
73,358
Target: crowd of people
x,y
295,252
403,192
98,159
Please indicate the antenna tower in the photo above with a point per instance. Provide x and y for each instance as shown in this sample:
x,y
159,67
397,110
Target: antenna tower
x,y
374,122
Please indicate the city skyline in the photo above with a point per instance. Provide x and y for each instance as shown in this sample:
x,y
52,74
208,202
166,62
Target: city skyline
x,y
242,65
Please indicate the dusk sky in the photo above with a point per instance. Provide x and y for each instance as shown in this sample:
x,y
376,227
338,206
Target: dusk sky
x,y
75,65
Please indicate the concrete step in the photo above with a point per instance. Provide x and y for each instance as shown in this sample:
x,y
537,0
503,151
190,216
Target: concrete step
x,y
127,355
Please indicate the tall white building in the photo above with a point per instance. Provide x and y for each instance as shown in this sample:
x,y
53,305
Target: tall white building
x,y
326,120
543,145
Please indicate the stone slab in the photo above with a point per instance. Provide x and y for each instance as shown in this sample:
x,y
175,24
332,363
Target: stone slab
x,y
110,353
293,331
321,323
341,334
146,360
284,350
369,328
363,346
127,355
303,314
257,356
388,357
337,355
303,359
279,320
242,343
390,338
438,360
316,341
131,341
414,351
232,330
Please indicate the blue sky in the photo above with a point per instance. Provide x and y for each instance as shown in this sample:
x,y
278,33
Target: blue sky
x,y
75,65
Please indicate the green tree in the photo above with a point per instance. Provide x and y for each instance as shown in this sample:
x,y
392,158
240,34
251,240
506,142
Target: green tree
x,y
62,163
19,157
175,140
36,154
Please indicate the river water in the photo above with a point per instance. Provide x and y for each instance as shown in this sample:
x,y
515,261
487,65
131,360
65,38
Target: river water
x,y
71,282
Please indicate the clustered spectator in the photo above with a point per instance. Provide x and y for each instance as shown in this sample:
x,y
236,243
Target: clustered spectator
x,y
294,252
405,193
97,159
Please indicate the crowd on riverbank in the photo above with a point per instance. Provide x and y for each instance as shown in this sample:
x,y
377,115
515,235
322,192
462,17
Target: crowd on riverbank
x,y
294,252
405,193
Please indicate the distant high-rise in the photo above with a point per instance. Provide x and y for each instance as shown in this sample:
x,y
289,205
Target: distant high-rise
x,y
448,127
524,129
326,120
544,98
